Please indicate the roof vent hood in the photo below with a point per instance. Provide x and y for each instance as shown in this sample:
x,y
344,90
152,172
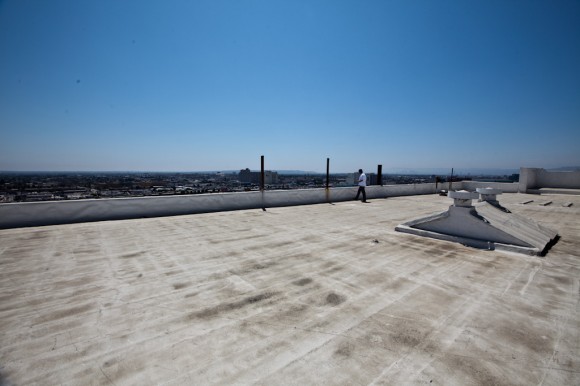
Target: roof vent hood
x,y
486,225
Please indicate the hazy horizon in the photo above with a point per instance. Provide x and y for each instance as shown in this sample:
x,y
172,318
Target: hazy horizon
x,y
404,171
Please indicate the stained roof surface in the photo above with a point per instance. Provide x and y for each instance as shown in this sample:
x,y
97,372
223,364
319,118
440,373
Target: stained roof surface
x,y
318,294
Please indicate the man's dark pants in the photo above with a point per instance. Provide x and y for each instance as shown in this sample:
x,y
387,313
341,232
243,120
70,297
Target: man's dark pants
x,y
364,194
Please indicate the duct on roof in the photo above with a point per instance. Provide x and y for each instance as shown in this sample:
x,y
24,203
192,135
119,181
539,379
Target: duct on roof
x,y
486,225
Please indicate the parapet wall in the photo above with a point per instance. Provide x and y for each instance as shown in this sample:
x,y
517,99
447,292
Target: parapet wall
x,y
14,215
536,178
506,187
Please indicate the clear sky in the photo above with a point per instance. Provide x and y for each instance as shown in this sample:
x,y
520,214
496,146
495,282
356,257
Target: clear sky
x,y
213,85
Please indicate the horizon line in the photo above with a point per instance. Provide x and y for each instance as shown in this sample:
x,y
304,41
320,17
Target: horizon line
x,y
425,171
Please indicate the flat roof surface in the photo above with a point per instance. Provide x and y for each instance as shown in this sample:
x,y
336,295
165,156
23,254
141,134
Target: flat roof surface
x,y
318,294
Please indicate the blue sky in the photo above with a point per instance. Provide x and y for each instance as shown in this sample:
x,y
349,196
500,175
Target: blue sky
x,y
213,85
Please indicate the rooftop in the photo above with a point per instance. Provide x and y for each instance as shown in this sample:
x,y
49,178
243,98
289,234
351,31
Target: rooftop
x,y
326,293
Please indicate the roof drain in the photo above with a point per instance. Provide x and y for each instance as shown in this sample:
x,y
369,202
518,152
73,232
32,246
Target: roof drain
x,y
485,225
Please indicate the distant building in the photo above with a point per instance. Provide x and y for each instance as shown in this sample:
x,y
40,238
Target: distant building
x,y
42,196
7,197
249,177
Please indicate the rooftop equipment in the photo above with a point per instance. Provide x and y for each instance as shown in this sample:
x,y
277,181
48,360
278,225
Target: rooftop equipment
x,y
485,225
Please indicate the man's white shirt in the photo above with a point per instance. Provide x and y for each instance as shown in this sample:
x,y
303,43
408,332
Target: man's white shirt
x,y
362,180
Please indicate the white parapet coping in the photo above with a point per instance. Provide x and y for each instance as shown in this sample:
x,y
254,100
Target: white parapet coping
x,y
13,215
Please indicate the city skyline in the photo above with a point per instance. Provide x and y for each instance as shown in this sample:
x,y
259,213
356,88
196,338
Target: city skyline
x,y
211,85
391,171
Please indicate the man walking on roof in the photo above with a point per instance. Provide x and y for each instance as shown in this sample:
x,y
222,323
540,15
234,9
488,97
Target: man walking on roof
x,y
362,182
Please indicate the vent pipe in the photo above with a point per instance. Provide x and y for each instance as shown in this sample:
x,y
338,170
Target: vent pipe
x,y
463,198
488,194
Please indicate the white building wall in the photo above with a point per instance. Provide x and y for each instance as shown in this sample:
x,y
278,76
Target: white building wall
x,y
535,178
